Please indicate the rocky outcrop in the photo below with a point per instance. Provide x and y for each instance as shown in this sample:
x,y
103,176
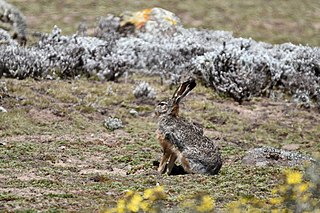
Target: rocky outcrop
x,y
269,156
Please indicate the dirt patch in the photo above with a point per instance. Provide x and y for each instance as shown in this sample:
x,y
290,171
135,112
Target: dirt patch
x,y
112,171
108,139
43,116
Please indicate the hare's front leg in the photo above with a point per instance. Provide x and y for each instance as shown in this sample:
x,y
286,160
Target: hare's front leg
x,y
165,145
173,158
163,161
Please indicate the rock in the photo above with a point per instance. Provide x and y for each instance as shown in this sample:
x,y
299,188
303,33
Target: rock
x,y
153,21
269,156
2,109
133,112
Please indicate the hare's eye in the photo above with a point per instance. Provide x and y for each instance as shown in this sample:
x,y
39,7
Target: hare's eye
x,y
162,104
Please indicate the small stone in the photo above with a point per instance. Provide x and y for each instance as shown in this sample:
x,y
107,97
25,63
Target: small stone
x,y
62,147
133,112
109,91
2,109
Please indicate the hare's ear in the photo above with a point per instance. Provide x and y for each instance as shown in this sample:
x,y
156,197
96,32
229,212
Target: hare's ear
x,y
183,90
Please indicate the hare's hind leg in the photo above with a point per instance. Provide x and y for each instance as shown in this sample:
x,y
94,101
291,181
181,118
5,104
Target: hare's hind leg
x,y
186,165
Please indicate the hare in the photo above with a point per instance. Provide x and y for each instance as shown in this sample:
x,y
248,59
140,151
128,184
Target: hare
x,y
182,140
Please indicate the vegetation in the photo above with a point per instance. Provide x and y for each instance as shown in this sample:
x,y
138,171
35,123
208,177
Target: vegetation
x,y
294,195
56,155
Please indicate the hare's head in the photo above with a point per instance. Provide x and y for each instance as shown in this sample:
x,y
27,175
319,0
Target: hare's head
x,y
171,107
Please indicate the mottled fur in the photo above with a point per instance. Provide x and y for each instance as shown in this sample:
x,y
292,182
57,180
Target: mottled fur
x,y
183,140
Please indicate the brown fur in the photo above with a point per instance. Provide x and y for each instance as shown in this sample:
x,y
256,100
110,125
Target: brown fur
x,y
169,153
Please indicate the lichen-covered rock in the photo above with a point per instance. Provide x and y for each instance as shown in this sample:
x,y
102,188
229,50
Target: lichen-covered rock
x,y
11,15
269,156
144,90
156,21
113,123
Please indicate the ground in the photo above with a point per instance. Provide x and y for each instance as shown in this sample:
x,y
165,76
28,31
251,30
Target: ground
x,y
56,155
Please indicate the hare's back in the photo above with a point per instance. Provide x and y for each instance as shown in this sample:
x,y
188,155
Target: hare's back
x,y
185,135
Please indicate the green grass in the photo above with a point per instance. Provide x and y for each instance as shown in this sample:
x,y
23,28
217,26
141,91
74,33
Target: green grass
x,y
58,157
270,21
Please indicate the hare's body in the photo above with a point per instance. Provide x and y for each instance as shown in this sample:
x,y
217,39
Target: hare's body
x,y
183,140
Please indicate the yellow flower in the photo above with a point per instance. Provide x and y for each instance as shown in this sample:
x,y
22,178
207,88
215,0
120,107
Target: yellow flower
x,y
134,203
145,206
206,204
147,193
113,210
244,200
158,189
121,206
302,187
129,193
294,177
276,200
274,191
278,211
